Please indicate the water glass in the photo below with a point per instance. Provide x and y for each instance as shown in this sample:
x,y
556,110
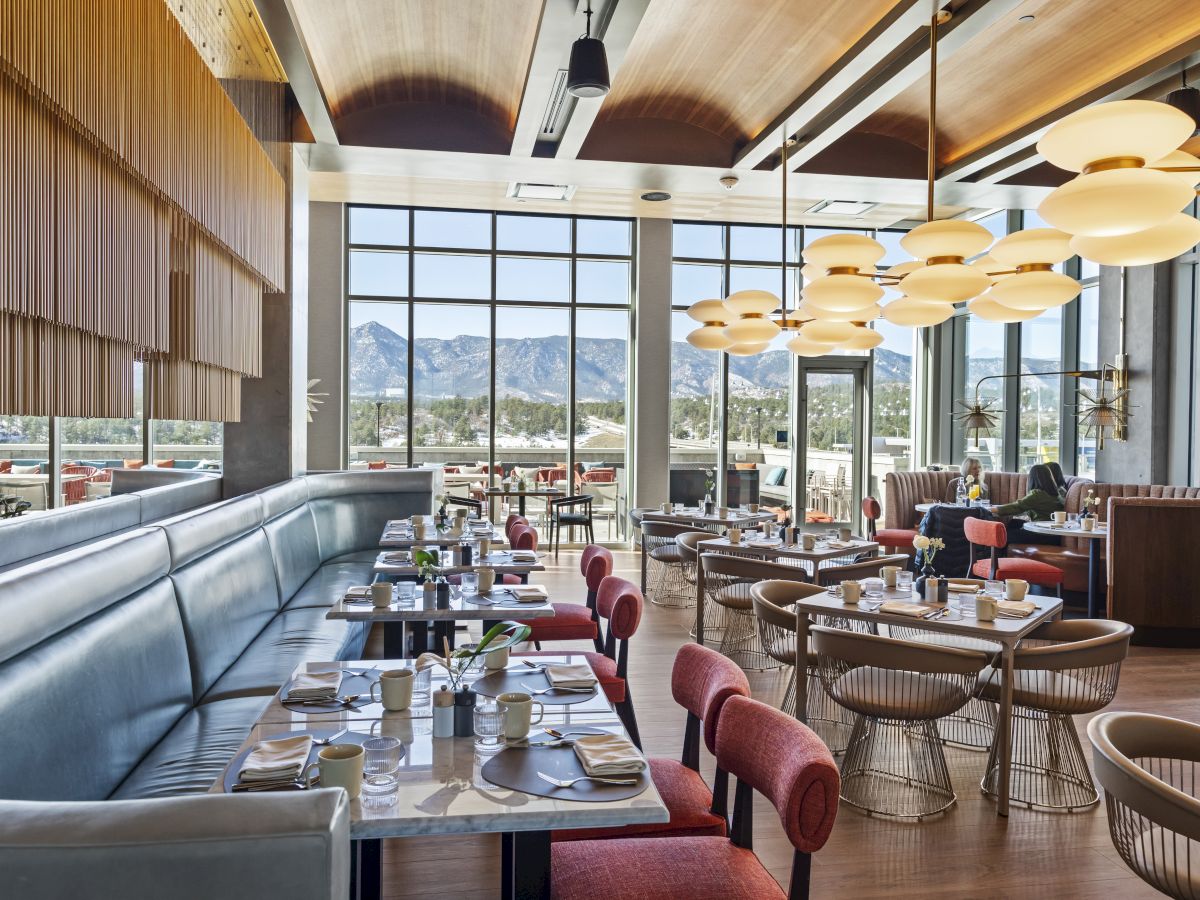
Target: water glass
x,y
470,583
873,588
904,582
405,593
489,727
421,682
994,587
381,771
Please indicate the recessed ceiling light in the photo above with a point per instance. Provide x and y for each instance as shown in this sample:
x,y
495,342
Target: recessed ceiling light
x,y
1025,18
532,191
840,208
656,196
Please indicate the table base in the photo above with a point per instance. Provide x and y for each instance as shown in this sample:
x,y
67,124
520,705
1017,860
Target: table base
x,y
525,865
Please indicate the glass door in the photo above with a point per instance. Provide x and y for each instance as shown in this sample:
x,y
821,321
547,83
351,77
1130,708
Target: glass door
x,y
831,430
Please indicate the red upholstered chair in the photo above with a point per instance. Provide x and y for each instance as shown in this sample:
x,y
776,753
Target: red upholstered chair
x,y
521,537
765,750
513,520
702,680
620,602
992,534
76,489
572,621
900,538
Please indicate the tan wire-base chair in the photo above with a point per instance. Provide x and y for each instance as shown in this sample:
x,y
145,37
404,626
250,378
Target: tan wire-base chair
x,y
664,565
1062,669
854,569
714,616
773,609
895,688
1149,767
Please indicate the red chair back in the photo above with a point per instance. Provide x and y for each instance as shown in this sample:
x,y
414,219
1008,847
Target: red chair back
x,y
595,565
600,476
870,509
104,476
701,681
779,757
513,520
376,466
5,466
76,490
523,537
620,602
986,533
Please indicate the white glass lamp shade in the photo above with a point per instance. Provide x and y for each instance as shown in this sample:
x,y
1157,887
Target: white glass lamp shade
x,y
1177,235
809,272
1145,129
833,250
748,349
810,310
899,271
710,337
863,339
1037,291
802,346
917,314
944,283
990,266
1115,201
752,302
751,331
1179,159
709,311
947,237
842,292
827,332
1047,246
987,308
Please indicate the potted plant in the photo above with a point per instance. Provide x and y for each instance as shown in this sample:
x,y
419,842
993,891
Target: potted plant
x,y
426,562
456,663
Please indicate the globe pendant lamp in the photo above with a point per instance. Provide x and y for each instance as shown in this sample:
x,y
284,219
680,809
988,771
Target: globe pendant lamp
x,y
587,72
1177,235
809,310
831,333
1109,145
803,346
864,338
713,317
917,313
841,259
748,322
1033,252
987,308
748,349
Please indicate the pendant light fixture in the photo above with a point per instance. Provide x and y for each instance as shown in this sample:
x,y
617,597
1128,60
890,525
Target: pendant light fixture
x,y
587,72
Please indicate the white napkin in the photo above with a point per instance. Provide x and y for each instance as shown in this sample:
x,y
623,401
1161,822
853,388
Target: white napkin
x,y
523,555
900,608
1015,609
529,593
315,686
842,545
358,592
765,544
608,754
576,676
279,760
959,587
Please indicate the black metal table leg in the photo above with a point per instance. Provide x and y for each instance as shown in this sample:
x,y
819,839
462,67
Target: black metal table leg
x,y
1093,578
420,637
393,641
366,869
521,504
525,865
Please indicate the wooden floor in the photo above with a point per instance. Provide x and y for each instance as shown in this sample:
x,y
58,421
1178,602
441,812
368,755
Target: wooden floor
x,y
968,852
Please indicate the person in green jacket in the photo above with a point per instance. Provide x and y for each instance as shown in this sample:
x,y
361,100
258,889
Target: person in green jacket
x,y
1045,497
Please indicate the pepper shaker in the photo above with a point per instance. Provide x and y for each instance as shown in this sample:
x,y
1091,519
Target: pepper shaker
x,y
443,713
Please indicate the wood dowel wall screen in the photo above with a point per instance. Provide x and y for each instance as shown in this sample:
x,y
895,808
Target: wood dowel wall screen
x,y
140,218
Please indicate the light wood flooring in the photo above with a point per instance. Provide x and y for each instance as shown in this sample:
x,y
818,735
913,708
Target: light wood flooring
x,y
967,852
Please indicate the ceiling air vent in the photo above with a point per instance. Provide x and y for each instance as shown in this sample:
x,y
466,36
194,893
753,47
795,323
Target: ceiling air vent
x,y
523,190
556,109
841,208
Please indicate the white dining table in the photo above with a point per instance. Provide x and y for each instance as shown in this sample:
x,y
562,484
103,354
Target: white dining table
x,y
1097,537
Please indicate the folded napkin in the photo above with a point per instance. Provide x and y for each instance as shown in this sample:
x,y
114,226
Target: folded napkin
x,y
358,592
314,686
529,593
280,760
523,555
900,608
765,544
398,557
1017,609
564,676
841,545
960,587
608,754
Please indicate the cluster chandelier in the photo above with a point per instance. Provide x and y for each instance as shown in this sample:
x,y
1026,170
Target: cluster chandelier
x,y
1119,211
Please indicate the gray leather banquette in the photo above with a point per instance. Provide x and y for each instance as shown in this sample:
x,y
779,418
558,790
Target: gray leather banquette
x,y
134,667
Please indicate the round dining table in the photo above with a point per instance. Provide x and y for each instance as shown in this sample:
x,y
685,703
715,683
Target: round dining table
x,y
1094,538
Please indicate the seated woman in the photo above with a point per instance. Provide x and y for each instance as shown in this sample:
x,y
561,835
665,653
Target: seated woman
x,y
1045,498
972,473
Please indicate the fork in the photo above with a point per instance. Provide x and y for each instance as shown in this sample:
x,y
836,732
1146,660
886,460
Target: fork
x,y
570,782
357,672
566,690
344,701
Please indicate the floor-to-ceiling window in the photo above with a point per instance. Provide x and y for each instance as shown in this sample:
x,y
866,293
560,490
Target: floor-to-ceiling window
x,y
491,343
1041,395
1088,357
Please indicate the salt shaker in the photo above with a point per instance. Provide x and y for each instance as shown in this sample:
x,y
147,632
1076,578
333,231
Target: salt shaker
x,y
443,713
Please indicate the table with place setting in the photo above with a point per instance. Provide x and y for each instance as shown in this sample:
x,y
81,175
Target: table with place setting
x,y
734,517
399,534
1095,538
571,767
502,562
1014,620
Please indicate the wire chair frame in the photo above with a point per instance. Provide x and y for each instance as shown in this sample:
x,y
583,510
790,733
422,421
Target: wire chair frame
x,y
1048,769
714,615
894,763
664,565
728,580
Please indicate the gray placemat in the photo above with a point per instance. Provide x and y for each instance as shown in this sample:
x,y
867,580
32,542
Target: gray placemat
x,y
516,768
350,737
509,680
351,684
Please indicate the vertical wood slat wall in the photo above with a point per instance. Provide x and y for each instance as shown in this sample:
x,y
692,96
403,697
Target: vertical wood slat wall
x,y
139,217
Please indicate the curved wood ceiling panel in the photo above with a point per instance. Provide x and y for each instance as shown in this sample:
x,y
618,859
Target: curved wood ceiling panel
x,y
1016,72
372,52
731,67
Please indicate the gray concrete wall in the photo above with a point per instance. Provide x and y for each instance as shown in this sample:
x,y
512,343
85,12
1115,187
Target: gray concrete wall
x,y
651,375
326,335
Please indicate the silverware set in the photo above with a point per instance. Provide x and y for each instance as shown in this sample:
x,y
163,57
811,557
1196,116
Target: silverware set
x,y
553,689
570,782
347,700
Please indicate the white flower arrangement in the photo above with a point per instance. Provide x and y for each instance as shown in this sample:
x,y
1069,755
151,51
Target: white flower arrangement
x,y
929,546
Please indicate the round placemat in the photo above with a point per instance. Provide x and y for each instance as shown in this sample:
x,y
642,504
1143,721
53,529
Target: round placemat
x,y
350,737
516,768
509,680
351,684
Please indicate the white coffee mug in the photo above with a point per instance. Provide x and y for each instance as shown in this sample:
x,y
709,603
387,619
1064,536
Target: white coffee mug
x,y
851,592
723,512
485,546
888,574
1015,589
735,535
487,579
418,531
844,534
808,540
339,765
667,508
395,689
496,659
381,594
1059,517
518,714
985,608
1088,524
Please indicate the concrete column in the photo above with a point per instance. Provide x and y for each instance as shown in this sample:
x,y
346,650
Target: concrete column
x,y
327,334
270,444
650,377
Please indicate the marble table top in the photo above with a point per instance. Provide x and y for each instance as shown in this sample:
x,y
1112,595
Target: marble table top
x,y
498,604
821,550
399,563
398,534
733,517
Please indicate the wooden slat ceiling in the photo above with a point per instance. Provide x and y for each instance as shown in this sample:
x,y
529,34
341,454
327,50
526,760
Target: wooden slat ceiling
x,y
230,37
1017,71
469,54
729,67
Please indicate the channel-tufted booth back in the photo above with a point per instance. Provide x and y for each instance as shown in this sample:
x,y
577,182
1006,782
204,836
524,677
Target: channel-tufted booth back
x,y
904,490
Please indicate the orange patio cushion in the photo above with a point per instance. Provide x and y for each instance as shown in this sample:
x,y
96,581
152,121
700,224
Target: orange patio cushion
x,y
132,463
165,463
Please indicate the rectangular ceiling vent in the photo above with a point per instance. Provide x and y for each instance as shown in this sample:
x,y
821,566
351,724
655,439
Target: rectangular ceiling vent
x,y
556,109
841,208
523,190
